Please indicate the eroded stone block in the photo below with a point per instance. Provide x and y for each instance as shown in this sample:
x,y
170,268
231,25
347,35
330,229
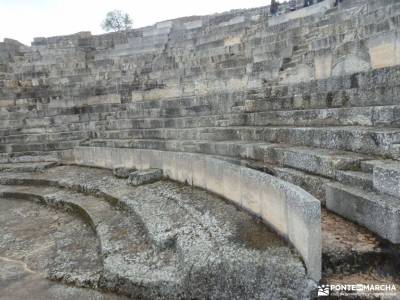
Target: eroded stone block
x,y
123,172
145,177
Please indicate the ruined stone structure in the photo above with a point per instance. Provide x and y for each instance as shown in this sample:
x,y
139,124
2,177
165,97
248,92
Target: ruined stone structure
x,y
294,118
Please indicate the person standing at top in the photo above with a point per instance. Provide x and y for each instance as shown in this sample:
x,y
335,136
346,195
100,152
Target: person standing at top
x,y
274,7
308,3
337,2
292,5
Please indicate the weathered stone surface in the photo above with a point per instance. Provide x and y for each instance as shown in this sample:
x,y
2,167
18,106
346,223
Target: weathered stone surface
x,y
379,213
290,210
356,178
145,176
121,172
386,178
318,161
26,167
169,239
39,243
315,185
353,253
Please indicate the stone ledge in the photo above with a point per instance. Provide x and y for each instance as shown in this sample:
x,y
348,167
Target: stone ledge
x,y
291,211
377,212
386,178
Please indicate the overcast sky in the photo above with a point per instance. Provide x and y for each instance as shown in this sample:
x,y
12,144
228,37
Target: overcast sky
x,y
25,19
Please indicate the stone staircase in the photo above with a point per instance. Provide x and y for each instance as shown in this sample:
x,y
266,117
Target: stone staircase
x,y
370,190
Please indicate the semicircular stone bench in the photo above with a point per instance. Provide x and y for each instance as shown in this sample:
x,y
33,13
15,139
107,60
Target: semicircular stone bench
x,y
291,211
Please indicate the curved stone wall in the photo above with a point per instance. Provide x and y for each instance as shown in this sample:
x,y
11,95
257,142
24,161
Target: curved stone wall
x,y
291,211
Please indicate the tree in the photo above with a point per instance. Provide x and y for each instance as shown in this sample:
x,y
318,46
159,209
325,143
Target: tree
x,y
117,20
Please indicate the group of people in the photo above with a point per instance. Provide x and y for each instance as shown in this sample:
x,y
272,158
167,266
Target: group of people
x,y
274,8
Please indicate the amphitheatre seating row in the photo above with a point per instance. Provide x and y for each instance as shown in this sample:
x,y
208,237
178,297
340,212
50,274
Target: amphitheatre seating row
x,y
155,240
292,212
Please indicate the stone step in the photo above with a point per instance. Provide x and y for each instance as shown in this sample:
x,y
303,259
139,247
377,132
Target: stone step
x,y
245,115
333,34
348,96
365,116
141,177
44,137
386,177
31,157
16,113
376,94
313,184
125,253
26,166
300,48
377,212
312,160
357,179
368,165
43,147
318,161
34,122
369,140
345,116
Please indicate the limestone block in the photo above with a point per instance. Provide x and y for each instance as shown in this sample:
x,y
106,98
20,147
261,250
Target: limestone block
x,y
379,213
193,24
137,96
386,178
303,215
250,191
384,50
273,208
162,93
232,41
144,177
5,103
214,175
122,172
112,98
323,66
319,161
300,73
165,24
233,21
231,183
199,172
350,64
315,185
